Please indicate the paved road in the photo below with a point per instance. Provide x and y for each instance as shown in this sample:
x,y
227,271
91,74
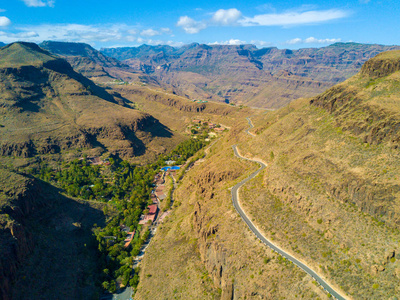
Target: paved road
x,y
251,126
235,200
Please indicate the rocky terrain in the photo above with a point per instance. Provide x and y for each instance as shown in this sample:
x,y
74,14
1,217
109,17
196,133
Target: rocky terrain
x,y
40,233
329,196
46,107
93,64
267,77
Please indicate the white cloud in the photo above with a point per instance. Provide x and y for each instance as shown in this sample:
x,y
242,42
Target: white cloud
x,y
261,43
294,41
312,40
230,42
305,15
39,3
190,26
101,33
149,32
4,21
2,10
294,18
226,16
91,34
132,31
166,30
152,32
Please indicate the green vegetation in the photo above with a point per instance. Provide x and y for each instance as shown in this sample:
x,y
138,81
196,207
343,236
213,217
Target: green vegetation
x,y
124,186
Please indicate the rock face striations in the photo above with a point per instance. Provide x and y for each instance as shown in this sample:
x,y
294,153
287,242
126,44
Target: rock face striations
x,y
95,65
267,77
19,196
330,196
46,107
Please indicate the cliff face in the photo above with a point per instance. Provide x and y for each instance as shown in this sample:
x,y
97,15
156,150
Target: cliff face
x,y
39,243
19,196
267,77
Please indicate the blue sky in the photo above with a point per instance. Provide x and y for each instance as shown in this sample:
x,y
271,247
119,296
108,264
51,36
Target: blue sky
x,y
284,24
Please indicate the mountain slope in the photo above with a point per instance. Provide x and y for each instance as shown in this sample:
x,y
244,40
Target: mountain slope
x,y
93,64
48,108
329,196
39,237
243,74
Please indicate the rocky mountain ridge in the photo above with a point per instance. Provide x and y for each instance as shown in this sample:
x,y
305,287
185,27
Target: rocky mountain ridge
x,y
267,77
47,107
93,64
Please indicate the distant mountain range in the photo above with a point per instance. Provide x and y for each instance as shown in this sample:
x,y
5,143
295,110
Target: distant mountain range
x,y
267,77
93,64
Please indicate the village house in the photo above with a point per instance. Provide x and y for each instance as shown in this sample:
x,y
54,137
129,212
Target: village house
x,y
129,238
159,192
153,198
150,216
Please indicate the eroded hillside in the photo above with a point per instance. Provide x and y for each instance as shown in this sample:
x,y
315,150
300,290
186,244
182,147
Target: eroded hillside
x,y
41,234
329,197
49,108
267,77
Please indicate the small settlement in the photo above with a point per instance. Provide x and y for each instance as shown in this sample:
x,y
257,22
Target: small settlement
x,y
199,127
156,196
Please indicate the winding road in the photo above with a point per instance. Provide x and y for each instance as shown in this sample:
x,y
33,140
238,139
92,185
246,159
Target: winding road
x,y
251,126
253,228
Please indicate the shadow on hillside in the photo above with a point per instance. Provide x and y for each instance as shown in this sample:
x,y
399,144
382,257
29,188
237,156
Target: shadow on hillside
x,y
63,264
157,129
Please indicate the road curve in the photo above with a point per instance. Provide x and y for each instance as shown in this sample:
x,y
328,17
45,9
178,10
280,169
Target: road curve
x,y
235,200
251,126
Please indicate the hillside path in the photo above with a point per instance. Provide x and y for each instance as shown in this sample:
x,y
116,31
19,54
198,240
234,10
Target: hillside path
x,y
260,236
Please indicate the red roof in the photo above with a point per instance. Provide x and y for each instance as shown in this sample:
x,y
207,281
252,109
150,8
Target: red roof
x,y
152,209
145,219
129,238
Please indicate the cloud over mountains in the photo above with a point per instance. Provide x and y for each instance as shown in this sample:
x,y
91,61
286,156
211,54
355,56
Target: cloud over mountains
x,y
234,17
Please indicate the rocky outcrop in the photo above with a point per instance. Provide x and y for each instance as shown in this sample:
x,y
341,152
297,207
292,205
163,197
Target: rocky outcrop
x,y
214,255
382,65
21,196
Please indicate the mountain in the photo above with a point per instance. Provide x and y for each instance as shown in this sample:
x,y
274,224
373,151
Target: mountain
x,y
267,77
93,64
49,108
2,44
39,237
330,196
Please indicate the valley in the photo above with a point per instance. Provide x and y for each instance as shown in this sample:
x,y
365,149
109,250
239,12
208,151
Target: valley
x,y
287,181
